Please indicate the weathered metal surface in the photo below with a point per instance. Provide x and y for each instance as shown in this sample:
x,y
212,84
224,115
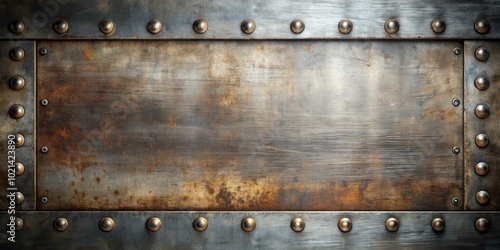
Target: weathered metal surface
x,y
254,125
489,125
272,18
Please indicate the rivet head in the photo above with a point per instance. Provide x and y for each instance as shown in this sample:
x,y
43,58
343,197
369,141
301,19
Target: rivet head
x,y
455,150
19,140
60,26
16,111
44,200
438,224
19,167
438,25
61,224
481,168
43,51
44,102
297,26
107,26
482,197
482,54
482,82
455,102
17,54
482,26
457,51
200,26
153,224
17,82
298,224
16,26
482,140
345,225
154,26
200,224
391,26
482,111
455,201
19,224
345,26
248,26
19,198
106,224
44,149
482,224
248,224
392,224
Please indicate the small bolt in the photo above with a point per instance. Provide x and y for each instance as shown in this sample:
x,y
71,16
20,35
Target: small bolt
x,y
45,149
45,200
44,102
456,150
455,201
457,51
43,51
455,102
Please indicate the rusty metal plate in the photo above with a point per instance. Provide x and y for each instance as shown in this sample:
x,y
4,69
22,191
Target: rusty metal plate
x,y
252,125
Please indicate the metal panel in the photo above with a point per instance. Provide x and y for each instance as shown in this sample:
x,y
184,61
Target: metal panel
x,y
254,125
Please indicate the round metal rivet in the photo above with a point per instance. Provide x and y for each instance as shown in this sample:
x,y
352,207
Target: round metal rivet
x,y
438,25
482,111
482,26
482,197
482,224
17,82
482,140
17,54
455,102
345,225
19,224
16,26
456,150
200,26
392,224
457,51
298,224
345,26
61,224
391,26
45,200
248,224
481,168
482,82
297,26
200,224
153,224
19,198
107,26
43,51
248,26
455,201
44,149
19,167
154,26
482,54
44,102
16,111
437,224
60,26
106,224
19,140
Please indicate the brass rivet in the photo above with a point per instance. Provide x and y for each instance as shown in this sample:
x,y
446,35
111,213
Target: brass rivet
x,y
297,26
481,168
345,225
482,224
19,198
482,26
200,224
107,26
438,25
455,150
154,26
17,82
482,140
153,224
19,168
438,224
482,111
60,26
248,26
200,26
16,111
482,82
17,54
16,26
482,54
482,197
19,224
391,26
298,224
248,224
345,26
19,140
61,224
392,224
106,224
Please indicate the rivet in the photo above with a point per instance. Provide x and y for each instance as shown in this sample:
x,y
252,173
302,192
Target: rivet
x,y
298,224
106,224
482,140
438,25
457,51
16,26
248,26
200,26
17,54
107,26
153,224
455,150
391,26
481,168
392,224
44,102
44,200
455,102
19,140
438,224
482,54
43,51
482,111
44,149
248,224
200,224
19,167
297,26
482,224
154,26
19,198
345,26
482,197
455,201
17,82
345,225
60,26
482,82
482,26
19,224
61,224
16,111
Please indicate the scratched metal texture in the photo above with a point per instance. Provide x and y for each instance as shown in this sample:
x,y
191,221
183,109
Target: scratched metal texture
x,y
253,125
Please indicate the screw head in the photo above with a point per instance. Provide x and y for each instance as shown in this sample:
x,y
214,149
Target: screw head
x,y
16,26
19,224
482,111
482,82
106,224
455,201
248,224
392,224
60,26
455,102
482,26
482,197
345,26
456,150
391,26
107,26
200,26
438,25
16,111
345,225
19,140
19,198
248,26
297,26
19,167
61,224
153,224
17,54
482,224
44,149
481,168
438,224
482,140
298,224
200,224
17,82
154,26
482,54
44,102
